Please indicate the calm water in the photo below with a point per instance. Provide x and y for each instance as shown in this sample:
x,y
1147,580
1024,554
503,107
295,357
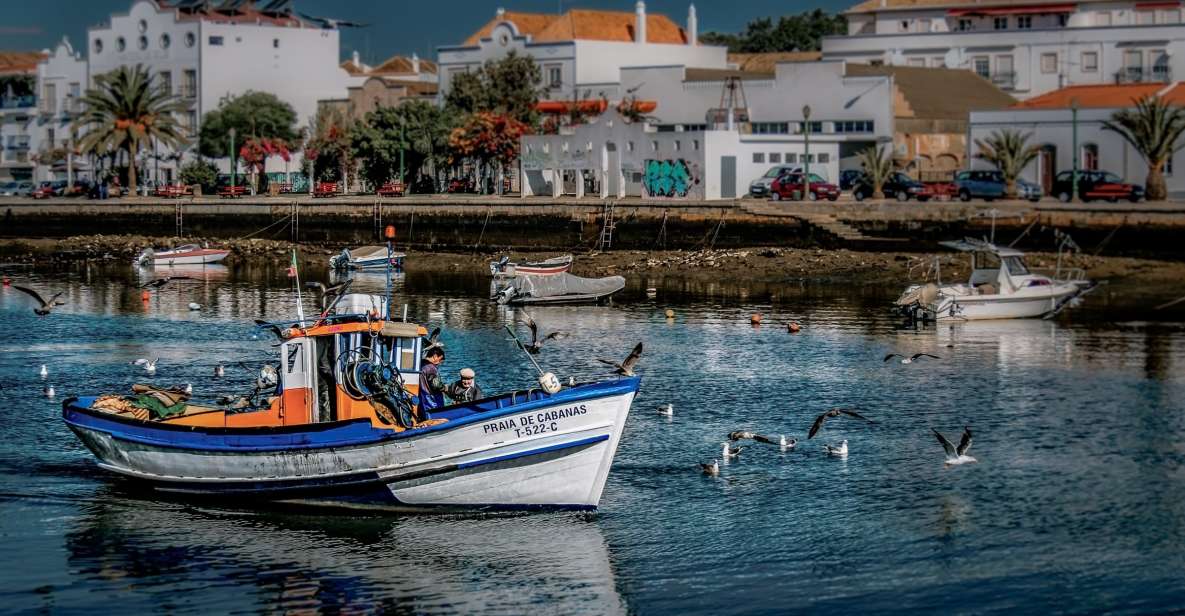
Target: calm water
x,y
1077,504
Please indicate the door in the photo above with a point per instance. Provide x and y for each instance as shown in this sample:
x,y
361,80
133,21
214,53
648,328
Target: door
x,y
728,177
1048,167
298,379
613,169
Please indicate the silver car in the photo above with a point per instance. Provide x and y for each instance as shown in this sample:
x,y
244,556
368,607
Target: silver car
x,y
760,188
16,189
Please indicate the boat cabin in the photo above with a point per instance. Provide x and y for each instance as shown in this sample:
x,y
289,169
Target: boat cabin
x,y
996,270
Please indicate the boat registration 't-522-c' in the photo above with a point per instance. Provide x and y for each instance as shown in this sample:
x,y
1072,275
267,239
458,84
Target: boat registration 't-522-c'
x,y
343,427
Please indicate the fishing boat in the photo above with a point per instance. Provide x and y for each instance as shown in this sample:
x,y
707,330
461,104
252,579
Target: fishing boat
x,y
342,427
189,254
504,268
366,258
1001,286
555,289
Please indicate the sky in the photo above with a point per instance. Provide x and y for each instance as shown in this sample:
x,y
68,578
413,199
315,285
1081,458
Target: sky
x,y
394,26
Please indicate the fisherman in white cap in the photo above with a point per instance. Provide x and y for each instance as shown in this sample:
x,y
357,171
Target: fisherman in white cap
x,y
465,389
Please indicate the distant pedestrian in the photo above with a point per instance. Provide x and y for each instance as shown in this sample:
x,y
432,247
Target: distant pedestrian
x,y
465,389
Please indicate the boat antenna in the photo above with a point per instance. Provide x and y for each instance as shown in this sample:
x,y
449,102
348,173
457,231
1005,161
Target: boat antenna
x,y
547,380
294,272
389,233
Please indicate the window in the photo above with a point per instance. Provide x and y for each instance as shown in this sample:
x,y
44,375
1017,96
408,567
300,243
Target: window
x,y
919,62
695,144
937,62
775,157
965,25
982,65
1102,18
770,128
49,103
924,25
759,157
165,82
216,41
189,84
191,118
816,127
1062,20
653,146
165,41
190,39
1090,61
791,158
1024,22
1159,60
120,44
1049,63
143,25
1090,157
904,25
98,46
564,148
629,146
1000,23
275,43
1170,16
1168,166
547,148
49,135
1132,59
555,75
824,157
853,126
676,145
142,43
1145,18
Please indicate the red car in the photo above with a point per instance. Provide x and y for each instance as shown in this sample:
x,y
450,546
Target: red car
x,y
789,186
49,189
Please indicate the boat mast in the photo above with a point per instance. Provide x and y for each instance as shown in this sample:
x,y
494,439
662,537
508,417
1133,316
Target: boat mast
x,y
389,233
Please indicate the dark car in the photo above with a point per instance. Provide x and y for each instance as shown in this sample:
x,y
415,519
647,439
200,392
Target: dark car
x,y
898,186
1096,185
988,185
50,189
849,177
790,186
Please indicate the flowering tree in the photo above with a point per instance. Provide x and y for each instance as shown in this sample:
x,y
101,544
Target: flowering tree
x,y
329,147
255,152
489,138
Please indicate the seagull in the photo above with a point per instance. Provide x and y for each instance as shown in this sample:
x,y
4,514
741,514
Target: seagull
x,y
536,342
787,443
188,388
49,392
149,364
160,282
667,409
571,381
433,340
44,371
195,306
729,452
626,368
737,435
46,306
956,455
909,360
219,371
271,327
327,295
333,24
841,451
710,469
833,413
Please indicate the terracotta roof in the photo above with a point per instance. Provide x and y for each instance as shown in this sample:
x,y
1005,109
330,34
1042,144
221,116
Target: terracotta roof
x,y
585,25
1104,96
353,69
938,93
402,65
873,6
414,88
765,62
19,62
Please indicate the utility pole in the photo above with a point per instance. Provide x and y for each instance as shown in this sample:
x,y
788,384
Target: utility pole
x,y
402,136
232,157
1074,146
806,149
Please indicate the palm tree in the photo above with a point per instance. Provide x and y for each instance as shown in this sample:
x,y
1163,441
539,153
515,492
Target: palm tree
x,y
1153,129
1008,151
124,111
877,167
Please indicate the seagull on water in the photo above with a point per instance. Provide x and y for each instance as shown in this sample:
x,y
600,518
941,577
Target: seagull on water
x,y
626,367
911,359
841,450
219,371
728,452
737,435
48,391
787,444
149,364
195,306
710,469
956,455
833,413
44,371
667,409
46,306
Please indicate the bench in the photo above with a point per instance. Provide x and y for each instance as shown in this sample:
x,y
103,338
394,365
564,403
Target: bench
x,y
231,192
325,189
172,191
391,189
285,187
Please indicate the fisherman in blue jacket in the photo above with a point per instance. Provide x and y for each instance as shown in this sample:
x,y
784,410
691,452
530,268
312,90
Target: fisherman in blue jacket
x,y
431,387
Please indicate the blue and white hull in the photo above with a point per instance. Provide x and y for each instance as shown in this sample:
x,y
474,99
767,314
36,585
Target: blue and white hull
x,y
548,451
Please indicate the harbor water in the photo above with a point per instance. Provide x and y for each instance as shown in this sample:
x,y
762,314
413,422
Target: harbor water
x,y
1076,504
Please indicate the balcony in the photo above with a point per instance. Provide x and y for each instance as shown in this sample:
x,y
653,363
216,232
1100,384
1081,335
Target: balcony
x,y
18,102
1143,74
187,91
1005,80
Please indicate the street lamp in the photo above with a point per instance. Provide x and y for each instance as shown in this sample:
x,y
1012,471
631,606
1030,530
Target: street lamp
x,y
232,132
1074,148
806,149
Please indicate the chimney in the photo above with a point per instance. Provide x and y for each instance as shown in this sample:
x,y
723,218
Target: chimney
x,y
640,22
415,63
501,14
357,60
692,26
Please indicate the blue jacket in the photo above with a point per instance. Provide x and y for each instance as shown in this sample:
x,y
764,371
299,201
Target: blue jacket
x,y
431,387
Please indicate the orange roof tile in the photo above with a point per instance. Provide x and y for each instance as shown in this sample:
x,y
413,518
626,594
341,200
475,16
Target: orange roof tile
x,y
767,62
873,6
1104,96
401,65
352,69
19,62
586,25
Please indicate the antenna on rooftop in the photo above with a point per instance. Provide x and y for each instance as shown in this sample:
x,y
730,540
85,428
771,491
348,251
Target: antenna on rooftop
x,y
733,110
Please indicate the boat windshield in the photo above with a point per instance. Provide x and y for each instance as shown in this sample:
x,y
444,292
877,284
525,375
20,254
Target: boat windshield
x,y
1016,266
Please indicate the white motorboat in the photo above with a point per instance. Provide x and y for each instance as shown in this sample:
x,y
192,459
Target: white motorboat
x,y
366,258
1001,286
189,254
504,268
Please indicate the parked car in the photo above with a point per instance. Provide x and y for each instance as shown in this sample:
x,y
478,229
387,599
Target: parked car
x,y
988,185
849,177
898,186
16,189
50,189
1096,185
790,186
760,188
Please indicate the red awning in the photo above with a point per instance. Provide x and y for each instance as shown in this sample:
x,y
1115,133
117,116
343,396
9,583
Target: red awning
x,y
1033,9
1144,6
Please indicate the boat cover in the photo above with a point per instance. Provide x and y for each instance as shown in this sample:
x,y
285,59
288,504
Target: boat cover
x,y
565,284
365,253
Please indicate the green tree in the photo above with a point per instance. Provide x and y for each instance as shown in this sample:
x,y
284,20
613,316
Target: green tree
x,y
124,111
877,166
1154,129
508,87
418,129
258,115
802,32
1008,151
202,173
329,149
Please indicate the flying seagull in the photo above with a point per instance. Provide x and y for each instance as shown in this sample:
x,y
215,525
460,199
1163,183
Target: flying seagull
x,y
710,469
832,413
737,435
433,340
728,451
271,327
667,409
46,306
149,364
160,282
956,455
626,368
841,450
536,342
909,360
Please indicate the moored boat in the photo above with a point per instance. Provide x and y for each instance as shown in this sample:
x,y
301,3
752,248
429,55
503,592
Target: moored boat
x,y
189,254
342,427
558,289
366,258
504,268
1001,286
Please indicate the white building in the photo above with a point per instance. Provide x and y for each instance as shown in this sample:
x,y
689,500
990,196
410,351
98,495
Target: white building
x,y
1049,122
18,113
61,79
205,53
582,50
1026,47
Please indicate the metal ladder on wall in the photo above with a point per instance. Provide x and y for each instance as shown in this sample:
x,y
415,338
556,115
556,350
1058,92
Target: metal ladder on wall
x,y
179,215
605,242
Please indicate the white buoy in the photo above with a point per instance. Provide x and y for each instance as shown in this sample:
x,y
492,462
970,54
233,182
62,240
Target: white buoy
x,y
195,306
44,371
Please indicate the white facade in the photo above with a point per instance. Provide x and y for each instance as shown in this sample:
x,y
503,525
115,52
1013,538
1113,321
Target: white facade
x,y
571,67
61,82
1025,48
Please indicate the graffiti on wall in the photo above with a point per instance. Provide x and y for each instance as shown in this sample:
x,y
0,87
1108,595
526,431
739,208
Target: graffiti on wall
x,y
671,178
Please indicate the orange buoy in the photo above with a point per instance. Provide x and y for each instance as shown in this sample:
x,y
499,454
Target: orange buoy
x,y
793,327
144,295
7,281
755,319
